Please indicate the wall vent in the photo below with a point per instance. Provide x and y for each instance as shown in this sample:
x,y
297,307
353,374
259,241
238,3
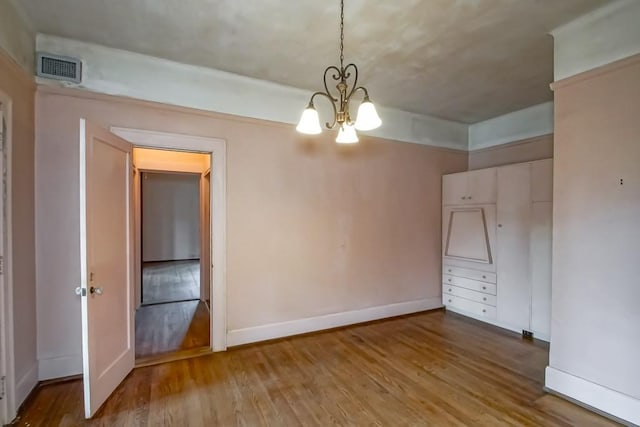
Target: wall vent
x,y
59,67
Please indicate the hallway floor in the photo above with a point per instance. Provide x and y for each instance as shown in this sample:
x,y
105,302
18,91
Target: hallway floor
x,y
171,327
167,281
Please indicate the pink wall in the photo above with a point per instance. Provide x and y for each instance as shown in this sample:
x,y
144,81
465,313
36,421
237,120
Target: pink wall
x,y
313,228
596,239
19,87
527,150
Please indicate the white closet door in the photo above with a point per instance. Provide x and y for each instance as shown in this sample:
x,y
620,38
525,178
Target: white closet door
x,y
541,232
454,189
514,211
481,186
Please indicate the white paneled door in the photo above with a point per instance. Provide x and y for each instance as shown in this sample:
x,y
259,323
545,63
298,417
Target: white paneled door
x,y
106,249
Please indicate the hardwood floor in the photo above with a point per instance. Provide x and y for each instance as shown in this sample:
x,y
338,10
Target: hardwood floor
x,y
170,281
434,368
176,326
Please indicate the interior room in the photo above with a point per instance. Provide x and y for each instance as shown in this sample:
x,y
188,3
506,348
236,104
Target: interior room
x,y
319,213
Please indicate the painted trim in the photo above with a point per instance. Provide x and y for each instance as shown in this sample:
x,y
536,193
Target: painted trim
x,y
27,383
602,36
124,73
218,196
593,395
541,337
328,321
9,404
59,367
596,72
518,125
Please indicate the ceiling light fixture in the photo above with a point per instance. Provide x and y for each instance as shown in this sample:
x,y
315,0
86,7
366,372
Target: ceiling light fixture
x,y
367,118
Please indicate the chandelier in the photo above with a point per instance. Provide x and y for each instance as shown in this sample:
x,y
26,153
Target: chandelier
x,y
367,118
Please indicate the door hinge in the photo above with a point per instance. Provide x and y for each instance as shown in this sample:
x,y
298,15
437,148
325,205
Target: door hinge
x,y
2,381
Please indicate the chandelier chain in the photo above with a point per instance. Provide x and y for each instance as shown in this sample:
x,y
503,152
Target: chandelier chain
x,y
341,35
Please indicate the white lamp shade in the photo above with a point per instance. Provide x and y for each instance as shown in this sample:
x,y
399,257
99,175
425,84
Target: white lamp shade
x,y
347,135
309,122
368,118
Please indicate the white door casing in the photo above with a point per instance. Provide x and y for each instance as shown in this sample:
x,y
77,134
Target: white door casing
x,y
217,192
8,405
106,249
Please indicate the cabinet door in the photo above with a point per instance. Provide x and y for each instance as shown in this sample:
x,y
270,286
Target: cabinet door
x,y
468,238
481,186
513,209
540,244
454,189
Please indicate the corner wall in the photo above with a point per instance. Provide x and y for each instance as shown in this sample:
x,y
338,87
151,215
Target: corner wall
x,y
596,242
19,87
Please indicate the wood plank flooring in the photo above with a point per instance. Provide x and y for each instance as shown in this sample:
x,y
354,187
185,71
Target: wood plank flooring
x,y
166,328
168,281
434,368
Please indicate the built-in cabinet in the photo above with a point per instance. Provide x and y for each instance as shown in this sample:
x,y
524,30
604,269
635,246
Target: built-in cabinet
x,y
496,245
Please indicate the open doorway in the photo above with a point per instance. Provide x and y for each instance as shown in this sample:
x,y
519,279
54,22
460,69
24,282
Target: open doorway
x,y
172,253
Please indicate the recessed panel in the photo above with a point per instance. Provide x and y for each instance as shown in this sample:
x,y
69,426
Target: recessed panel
x,y
467,236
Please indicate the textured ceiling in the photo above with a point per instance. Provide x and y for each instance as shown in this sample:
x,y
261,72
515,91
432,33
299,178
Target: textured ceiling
x,y
464,60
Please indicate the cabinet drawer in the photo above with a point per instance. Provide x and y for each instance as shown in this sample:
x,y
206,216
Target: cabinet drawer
x,y
469,273
469,294
474,285
476,308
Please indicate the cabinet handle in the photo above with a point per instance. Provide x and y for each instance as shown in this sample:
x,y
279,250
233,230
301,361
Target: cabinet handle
x,y
484,277
484,311
449,300
449,289
469,197
464,198
449,279
449,270
484,299
484,287
499,225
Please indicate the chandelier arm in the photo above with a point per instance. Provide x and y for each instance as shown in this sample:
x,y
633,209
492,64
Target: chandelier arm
x,y
347,74
337,77
333,104
363,89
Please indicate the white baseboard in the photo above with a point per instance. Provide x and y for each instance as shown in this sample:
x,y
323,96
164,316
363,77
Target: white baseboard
x,y
328,321
595,396
59,367
25,384
493,322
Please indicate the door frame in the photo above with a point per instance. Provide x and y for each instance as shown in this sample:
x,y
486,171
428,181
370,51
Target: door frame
x,y
139,227
8,409
216,147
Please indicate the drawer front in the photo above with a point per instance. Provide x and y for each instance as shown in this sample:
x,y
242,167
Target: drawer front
x,y
476,308
469,274
469,294
474,285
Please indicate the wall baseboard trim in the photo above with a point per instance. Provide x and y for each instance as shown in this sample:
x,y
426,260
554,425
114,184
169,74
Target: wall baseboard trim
x,y
328,321
59,367
601,399
26,384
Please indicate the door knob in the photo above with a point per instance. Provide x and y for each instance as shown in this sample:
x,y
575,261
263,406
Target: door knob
x,y
95,290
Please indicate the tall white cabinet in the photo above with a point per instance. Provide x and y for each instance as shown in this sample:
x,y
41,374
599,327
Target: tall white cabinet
x,y
496,245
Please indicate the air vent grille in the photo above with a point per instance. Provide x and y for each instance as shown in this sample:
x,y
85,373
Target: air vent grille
x,y
59,67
